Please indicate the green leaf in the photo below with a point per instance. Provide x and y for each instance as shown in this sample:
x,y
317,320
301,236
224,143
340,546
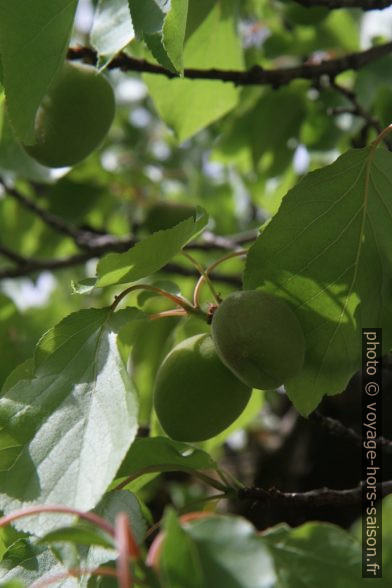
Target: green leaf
x,y
174,27
78,534
73,422
211,42
148,17
179,561
25,563
266,128
123,501
34,36
337,276
314,554
112,27
84,286
23,371
149,255
160,454
226,551
162,25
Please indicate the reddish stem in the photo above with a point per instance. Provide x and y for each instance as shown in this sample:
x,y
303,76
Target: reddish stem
x,y
164,313
176,299
127,549
74,572
58,508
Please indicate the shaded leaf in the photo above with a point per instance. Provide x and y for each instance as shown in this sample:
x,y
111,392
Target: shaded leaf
x,y
314,554
337,278
163,454
34,36
223,551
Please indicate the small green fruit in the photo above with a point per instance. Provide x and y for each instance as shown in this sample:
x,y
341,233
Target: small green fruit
x,y
259,338
164,215
73,117
196,396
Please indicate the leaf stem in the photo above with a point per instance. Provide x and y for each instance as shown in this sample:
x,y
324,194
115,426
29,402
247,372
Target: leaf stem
x,y
126,549
381,137
182,302
204,277
74,573
58,508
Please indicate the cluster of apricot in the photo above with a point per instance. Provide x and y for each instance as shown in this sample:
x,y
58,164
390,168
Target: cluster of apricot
x,y
205,382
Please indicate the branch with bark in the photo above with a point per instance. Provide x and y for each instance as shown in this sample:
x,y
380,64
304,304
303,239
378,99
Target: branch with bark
x,y
358,110
254,76
338,429
95,246
312,498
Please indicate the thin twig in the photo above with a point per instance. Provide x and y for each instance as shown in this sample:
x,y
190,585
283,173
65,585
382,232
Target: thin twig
x,y
254,76
358,110
35,265
312,498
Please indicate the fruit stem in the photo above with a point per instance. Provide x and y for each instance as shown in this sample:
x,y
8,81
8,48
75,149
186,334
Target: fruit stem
x,y
187,306
204,277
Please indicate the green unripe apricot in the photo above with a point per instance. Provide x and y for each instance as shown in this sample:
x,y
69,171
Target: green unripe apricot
x,y
164,215
196,396
73,117
259,338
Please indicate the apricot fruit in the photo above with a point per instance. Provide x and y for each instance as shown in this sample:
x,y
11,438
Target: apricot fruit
x,y
73,117
259,338
196,396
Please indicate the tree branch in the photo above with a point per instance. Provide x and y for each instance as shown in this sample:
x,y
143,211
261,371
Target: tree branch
x,y
254,76
364,4
338,429
33,265
13,256
312,498
358,110
83,239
